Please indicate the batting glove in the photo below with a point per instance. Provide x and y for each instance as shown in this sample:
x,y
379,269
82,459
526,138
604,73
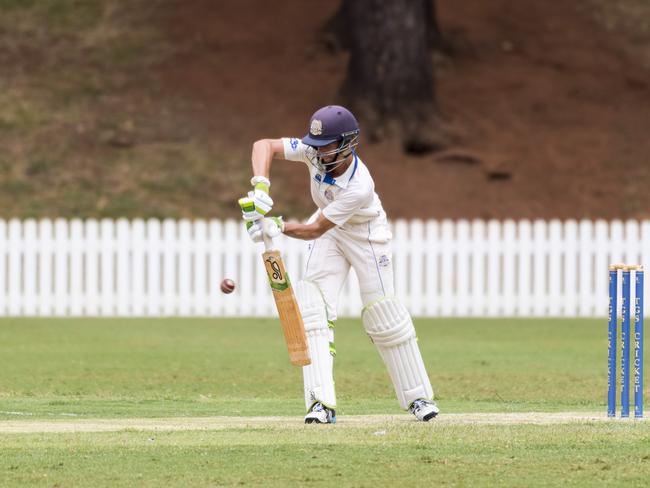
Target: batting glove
x,y
257,203
255,231
273,226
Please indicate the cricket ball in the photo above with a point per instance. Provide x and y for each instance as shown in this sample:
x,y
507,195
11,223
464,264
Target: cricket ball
x,y
227,286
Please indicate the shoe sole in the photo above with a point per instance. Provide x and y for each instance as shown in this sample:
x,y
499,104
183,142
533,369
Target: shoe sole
x,y
316,421
430,416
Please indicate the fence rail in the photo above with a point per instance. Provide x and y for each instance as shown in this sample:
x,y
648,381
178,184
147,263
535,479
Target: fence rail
x,y
442,268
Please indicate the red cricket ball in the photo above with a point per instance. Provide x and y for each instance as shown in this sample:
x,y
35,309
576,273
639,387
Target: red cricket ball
x,y
227,285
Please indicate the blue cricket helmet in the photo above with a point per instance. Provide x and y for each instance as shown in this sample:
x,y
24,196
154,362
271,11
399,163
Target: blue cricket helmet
x,y
330,124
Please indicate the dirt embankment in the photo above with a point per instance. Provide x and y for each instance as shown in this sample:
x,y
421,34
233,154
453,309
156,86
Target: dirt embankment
x,y
549,107
139,109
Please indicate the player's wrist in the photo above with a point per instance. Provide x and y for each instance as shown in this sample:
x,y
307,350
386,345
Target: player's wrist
x,y
261,183
279,221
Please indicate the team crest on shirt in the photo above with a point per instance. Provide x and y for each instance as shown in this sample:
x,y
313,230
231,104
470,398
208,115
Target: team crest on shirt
x,y
316,127
329,195
383,261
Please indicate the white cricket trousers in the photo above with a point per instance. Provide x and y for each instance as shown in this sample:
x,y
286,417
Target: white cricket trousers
x,y
366,248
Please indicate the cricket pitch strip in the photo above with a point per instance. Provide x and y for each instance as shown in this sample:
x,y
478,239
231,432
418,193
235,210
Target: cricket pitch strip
x,y
220,423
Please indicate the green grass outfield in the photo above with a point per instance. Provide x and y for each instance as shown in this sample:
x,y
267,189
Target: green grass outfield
x,y
153,402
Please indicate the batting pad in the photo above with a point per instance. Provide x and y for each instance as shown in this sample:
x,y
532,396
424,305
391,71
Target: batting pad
x,y
390,327
319,375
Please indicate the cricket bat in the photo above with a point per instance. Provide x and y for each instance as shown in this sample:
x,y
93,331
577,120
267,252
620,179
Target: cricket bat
x,y
285,301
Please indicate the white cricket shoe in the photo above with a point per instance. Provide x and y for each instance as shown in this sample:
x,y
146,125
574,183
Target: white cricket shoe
x,y
320,414
424,410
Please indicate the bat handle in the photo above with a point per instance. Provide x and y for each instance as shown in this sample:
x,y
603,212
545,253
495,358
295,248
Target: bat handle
x,y
268,240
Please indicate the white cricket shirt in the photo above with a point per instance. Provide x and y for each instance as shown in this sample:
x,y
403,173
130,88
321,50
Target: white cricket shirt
x,y
347,200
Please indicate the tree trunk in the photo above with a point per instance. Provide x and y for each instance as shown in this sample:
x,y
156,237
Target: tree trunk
x,y
389,81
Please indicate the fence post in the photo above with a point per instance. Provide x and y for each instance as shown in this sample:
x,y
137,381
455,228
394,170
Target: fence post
x,y
571,287
45,274
107,234
154,285
124,265
92,277
510,295
30,267
524,280
585,278
463,254
138,253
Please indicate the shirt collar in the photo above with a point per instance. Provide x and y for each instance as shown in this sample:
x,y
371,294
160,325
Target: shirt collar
x,y
343,180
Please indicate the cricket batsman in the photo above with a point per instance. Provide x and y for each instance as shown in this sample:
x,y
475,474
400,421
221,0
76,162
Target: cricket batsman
x,y
348,229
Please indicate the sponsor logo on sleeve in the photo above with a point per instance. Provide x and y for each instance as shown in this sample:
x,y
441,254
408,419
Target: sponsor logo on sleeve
x,y
318,178
293,143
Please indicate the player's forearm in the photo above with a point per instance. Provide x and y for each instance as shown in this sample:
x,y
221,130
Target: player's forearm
x,y
262,157
310,231
307,232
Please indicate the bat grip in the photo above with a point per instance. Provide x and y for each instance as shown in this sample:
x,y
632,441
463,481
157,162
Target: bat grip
x,y
268,240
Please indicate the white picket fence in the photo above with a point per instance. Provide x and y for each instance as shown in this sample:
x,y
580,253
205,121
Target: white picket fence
x,y
442,268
